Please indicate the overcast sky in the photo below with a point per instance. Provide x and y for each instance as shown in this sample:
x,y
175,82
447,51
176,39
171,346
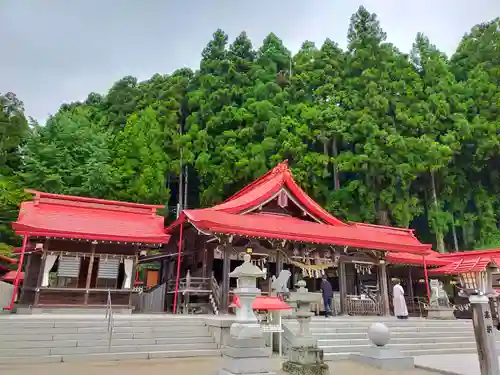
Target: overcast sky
x,y
56,51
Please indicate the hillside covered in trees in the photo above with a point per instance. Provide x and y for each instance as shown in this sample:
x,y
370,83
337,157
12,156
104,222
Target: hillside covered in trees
x,y
372,133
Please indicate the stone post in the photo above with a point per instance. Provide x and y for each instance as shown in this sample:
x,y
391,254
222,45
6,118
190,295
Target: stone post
x,y
484,333
246,353
304,357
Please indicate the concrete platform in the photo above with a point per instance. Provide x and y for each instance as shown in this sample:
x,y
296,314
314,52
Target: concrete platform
x,y
463,364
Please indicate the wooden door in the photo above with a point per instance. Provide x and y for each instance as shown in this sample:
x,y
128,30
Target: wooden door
x,y
152,278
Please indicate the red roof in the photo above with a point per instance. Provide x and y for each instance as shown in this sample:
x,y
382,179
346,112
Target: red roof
x,y
236,216
290,228
267,187
467,264
63,216
432,258
265,303
468,261
471,254
11,276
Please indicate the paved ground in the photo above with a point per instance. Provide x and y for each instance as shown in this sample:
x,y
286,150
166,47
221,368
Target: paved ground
x,y
191,366
463,364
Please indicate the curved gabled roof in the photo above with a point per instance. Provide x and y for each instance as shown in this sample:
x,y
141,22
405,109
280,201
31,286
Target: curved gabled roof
x,y
266,187
239,215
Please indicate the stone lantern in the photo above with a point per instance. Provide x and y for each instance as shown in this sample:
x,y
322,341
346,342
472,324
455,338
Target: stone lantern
x,y
247,275
304,356
246,353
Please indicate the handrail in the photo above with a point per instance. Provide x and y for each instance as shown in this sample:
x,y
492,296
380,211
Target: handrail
x,y
110,317
216,292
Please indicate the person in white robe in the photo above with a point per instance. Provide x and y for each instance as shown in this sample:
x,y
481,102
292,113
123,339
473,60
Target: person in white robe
x,y
398,300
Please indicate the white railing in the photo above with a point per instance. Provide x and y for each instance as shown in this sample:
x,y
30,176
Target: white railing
x,y
110,318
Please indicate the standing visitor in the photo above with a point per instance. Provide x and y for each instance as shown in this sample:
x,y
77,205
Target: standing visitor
x,y
327,293
398,300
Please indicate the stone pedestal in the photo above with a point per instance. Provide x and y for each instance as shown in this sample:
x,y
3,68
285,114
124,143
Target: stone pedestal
x,y
440,313
379,356
384,358
305,361
246,352
304,357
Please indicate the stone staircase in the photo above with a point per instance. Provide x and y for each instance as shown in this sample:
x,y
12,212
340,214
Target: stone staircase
x,y
341,336
63,338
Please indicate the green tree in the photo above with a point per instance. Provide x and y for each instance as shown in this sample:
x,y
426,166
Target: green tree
x,y
140,160
69,155
13,132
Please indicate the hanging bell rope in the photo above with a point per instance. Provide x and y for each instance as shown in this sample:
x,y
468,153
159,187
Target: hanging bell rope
x,y
308,269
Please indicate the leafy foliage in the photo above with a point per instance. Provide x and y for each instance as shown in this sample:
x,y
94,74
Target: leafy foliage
x,y
371,133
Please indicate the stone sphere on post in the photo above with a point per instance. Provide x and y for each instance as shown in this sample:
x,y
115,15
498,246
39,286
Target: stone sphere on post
x,y
379,334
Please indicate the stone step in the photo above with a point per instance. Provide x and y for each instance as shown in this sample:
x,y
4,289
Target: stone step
x,y
366,326
394,323
412,353
434,330
394,335
381,319
101,357
103,342
99,323
402,340
352,348
26,311
75,350
103,329
202,332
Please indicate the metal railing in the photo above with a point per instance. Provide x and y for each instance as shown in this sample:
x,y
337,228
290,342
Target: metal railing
x,y
216,294
110,318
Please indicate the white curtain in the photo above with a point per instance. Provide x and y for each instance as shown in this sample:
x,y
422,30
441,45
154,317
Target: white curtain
x,y
50,260
128,265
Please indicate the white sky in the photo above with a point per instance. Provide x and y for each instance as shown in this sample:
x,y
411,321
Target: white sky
x,y
59,51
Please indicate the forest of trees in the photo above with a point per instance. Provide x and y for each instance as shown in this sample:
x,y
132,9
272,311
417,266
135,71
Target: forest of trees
x,y
372,133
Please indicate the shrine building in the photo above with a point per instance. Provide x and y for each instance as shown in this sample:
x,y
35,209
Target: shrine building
x,y
85,252
283,228
82,252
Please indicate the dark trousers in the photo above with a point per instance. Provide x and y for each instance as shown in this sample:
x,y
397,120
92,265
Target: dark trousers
x,y
327,302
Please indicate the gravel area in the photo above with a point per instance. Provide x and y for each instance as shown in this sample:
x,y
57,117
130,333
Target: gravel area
x,y
189,366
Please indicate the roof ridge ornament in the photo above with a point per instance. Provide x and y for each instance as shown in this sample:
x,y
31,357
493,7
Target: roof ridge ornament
x,y
281,167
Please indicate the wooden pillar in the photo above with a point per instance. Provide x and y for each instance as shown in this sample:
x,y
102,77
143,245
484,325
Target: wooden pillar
x,y
40,273
226,269
89,273
279,262
342,287
384,290
410,289
27,274
410,282
132,281
208,263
